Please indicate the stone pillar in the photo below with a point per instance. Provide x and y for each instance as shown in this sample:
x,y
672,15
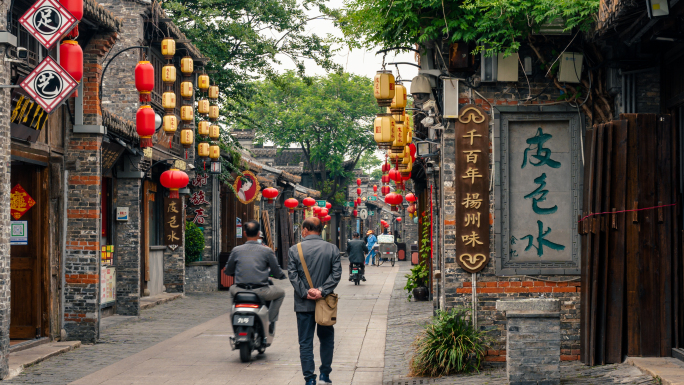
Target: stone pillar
x,y
5,218
128,238
532,341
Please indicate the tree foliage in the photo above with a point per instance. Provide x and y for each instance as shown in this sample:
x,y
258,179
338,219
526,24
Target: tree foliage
x,y
500,24
330,118
244,38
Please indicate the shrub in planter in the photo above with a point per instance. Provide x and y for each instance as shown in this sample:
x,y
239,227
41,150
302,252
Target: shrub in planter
x,y
449,344
194,243
416,278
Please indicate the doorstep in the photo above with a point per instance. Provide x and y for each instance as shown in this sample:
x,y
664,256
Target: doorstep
x,y
28,357
152,301
669,370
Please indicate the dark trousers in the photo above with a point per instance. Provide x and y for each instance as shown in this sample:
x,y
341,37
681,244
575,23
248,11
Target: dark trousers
x,y
306,324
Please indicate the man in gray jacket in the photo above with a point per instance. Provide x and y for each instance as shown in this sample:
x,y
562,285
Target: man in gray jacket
x,y
251,264
323,262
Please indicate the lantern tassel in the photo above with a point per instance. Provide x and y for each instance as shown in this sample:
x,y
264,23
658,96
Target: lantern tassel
x,y
73,34
173,194
145,97
146,142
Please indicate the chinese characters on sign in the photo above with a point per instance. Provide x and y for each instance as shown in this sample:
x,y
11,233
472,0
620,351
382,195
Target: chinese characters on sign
x,y
173,222
472,189
540,192
200,180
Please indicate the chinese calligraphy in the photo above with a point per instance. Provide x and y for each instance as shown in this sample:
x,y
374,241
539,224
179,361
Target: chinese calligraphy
x,y
198,198
173,220
199,216
472,164
200,180
543,155
541,240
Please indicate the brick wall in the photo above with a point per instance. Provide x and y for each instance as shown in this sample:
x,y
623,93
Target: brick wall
x,y
127,242
201,277
648,92
5,218
456,287
82,258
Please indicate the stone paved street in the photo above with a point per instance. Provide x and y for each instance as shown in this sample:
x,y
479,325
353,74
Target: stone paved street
x,y
186,342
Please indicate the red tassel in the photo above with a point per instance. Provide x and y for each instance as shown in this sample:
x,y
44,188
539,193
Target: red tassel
x,y
204,165
146,142
173,194
73,34
146,97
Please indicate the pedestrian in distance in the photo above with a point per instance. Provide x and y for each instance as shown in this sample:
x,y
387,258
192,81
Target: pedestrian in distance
x,y
372,240
251,264
323,262
356,250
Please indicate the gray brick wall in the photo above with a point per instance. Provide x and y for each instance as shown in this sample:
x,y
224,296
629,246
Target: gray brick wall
x,y
201,277
5,218
127,246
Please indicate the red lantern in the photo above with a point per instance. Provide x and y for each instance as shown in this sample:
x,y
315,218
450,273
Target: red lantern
x,y
385,179
75,7
410,198
398,219
308,202
323,212
270,194
412,151
375,188
317,210
395,175
144,80
173,180
406,177
291,203
386,168
358,201
355,204
411,209
328,205
144,125
358,191
354,213
375,195
327,218
71,58
358,181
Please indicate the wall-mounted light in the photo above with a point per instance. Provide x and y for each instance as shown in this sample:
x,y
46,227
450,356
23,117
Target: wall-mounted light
x,y
657,8
215,168
426,148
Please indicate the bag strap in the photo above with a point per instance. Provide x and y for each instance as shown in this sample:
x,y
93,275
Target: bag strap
x,y
306,269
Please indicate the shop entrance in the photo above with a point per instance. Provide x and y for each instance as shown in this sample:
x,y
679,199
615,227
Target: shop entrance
x,y
29,256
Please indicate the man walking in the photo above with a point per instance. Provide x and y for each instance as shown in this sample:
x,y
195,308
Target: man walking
x,y
356,250
371,242
323,262
251,264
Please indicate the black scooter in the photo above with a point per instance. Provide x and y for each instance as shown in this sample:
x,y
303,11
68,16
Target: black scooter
x,y
356,275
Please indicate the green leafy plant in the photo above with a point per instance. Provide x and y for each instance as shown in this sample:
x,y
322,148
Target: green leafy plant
x,y
420,273
449,344
194,243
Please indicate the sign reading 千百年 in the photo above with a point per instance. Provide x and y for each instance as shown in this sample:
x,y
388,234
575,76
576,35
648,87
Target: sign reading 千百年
x,y
173,222
472,189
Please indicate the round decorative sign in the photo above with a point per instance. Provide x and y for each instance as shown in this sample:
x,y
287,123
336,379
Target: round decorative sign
x,y
246,187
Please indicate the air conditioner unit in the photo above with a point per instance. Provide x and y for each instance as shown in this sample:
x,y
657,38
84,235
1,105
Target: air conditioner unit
x,y
488,67
570,70
508,68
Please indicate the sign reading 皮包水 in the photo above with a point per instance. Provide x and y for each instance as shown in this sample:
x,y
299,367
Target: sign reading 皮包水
x,y
540,178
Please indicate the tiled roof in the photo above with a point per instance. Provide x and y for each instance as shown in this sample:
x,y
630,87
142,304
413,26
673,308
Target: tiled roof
x,y
119,125
297,170
290,157
242,134
93,11
263,152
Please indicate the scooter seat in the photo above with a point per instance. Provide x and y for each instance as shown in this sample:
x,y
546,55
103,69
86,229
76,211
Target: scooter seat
x,y
247,297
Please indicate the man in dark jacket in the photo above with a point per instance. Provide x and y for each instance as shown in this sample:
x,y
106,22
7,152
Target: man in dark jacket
x,y
323,262
356,250
251,264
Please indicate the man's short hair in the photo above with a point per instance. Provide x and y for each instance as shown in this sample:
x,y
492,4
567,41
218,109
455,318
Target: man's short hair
x,y
312,224
355,235
252,229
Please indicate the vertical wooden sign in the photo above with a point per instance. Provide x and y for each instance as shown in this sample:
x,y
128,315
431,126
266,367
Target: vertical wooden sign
x,y
173,223
472,189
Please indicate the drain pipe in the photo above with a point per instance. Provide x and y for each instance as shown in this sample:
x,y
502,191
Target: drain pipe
x,y
62,332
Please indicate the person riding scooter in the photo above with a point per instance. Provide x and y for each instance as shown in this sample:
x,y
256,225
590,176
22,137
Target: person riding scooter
x,y
356,250
251,264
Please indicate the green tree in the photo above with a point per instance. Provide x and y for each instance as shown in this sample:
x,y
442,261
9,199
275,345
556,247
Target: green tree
x,y
500,24
368,162
330,118
244,39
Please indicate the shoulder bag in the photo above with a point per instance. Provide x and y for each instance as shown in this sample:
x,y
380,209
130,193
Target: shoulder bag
x,y
326,308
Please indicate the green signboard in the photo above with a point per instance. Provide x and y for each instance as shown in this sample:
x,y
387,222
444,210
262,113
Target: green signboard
x,y
373,198
349,204
321,203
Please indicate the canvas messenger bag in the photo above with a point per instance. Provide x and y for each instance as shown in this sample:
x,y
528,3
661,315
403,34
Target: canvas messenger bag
x,y
326,308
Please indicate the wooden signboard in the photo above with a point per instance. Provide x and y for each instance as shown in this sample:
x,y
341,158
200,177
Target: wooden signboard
x,y
173,222
472,189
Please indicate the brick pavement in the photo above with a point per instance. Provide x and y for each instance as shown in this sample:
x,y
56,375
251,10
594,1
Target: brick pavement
x,y
403,325
118,342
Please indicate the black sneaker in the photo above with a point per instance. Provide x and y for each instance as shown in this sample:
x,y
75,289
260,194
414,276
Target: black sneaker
x,y
271,328
363,278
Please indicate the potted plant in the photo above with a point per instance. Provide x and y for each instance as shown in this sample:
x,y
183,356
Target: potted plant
x,y
418,278
194,243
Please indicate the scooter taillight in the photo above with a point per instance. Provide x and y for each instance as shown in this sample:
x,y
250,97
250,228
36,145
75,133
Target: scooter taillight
x,y
249,305
242,334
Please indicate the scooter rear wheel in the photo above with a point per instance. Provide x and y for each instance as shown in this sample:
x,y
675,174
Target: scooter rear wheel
x,y
245,352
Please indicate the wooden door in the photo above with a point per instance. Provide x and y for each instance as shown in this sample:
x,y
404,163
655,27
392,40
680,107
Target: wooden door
x,y
231,210
27,287
149,190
